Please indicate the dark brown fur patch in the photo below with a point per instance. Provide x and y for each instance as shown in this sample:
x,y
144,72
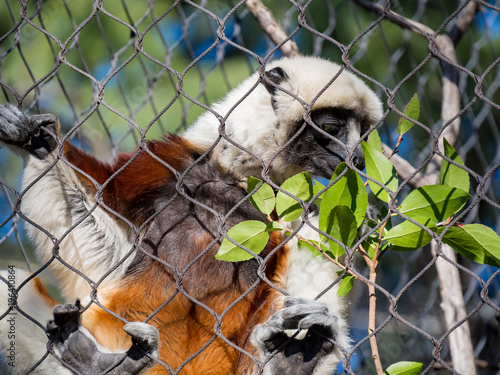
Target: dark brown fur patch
x,y
175,282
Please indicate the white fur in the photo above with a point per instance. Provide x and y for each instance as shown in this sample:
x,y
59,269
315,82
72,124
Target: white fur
x,y
29,339
252,123
56,203
308,276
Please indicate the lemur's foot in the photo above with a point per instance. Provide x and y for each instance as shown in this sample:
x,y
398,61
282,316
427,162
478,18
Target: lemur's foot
x,y
36,134
80,352
297,356
144,335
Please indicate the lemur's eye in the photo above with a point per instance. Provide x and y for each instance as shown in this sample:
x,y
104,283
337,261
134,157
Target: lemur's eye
x,y
331,128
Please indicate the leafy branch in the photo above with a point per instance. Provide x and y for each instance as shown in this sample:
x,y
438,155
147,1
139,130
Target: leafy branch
x,y
426,213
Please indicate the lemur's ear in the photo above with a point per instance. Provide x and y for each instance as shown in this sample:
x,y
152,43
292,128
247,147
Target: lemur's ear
x,y
275,75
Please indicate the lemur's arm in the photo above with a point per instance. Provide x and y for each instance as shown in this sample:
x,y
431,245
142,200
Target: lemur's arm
x,y
39,136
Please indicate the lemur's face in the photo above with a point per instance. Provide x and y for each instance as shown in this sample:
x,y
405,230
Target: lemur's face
x,y
320,144
301,114
330,139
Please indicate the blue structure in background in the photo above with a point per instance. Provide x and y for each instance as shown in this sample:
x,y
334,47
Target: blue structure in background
x,y
488,20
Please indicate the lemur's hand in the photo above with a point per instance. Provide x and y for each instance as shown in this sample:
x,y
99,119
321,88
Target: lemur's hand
x,y
297,356
36,134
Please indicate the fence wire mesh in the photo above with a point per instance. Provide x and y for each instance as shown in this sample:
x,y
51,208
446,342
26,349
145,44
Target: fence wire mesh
x,y
118,72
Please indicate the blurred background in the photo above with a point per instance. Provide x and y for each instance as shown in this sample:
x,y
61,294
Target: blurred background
x,y
116,70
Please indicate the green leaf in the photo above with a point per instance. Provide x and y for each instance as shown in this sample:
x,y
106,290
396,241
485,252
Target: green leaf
x,y
404,368
476,242
345,285
408,236
348,191
380,169
274,226
306,246
450,174
300,186
412,110
317,187
432,204
370,244
375,141
251,233
341,224
263,199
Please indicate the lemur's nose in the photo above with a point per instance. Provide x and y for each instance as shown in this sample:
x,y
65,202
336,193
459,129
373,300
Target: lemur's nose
x,y
358,158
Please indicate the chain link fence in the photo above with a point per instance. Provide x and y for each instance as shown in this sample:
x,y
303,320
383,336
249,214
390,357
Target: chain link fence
x,y
118,72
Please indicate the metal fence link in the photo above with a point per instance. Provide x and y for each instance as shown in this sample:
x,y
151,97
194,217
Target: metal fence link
x,y
120,72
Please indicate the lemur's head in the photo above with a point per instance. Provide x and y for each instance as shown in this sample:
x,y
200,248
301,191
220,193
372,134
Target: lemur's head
x,y
303,114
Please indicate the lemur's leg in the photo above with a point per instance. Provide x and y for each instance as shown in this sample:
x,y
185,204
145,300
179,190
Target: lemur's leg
x,y
79,350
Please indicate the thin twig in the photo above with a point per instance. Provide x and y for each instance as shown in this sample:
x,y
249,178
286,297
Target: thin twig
x,y
372,323
450,286
272,28
396,18
372,326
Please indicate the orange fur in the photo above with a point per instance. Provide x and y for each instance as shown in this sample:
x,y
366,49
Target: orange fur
x,y
42,291
185,327
106,328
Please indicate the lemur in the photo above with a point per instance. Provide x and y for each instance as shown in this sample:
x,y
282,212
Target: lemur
x,y
142,233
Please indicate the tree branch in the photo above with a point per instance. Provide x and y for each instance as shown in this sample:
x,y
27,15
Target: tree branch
x,y
396,18
405,170
272,28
